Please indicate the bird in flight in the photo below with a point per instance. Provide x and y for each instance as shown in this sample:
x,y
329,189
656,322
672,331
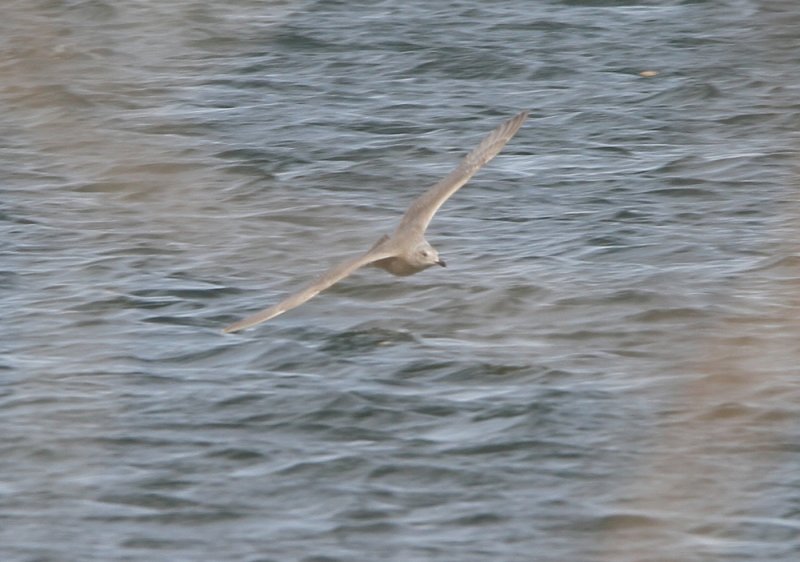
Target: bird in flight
x,y
405,251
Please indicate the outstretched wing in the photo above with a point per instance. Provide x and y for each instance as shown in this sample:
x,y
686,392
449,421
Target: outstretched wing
x,y
421,211
333,275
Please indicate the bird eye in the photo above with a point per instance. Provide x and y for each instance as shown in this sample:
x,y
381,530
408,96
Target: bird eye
x,y
424,253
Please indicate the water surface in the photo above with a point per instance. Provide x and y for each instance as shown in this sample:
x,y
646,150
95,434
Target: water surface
x,y
606,371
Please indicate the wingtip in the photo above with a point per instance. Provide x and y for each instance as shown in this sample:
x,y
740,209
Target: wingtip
x,y
242,324
255,319
508,129
512,125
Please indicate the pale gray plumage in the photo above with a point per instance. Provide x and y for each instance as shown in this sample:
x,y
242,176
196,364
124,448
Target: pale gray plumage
x,y
406,251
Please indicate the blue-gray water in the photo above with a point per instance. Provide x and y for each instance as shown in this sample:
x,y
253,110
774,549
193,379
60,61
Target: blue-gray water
x,y
606,371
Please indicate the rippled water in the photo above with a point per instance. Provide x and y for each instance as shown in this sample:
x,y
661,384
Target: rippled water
x,y
606,371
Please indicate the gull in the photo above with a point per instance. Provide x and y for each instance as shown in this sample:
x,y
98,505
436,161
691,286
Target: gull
x,y
405,251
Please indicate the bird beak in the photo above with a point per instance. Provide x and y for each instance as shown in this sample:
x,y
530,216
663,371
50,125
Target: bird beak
x,y
441,262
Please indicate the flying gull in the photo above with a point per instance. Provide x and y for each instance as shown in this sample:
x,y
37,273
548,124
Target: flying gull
x,y
405,251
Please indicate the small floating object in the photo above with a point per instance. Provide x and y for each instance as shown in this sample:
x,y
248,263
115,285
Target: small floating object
x,y
648,73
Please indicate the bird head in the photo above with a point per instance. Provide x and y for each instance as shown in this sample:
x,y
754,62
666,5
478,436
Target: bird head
x,y
425,255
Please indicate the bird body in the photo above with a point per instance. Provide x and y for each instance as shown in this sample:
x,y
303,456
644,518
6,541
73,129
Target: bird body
x,y
422,257
406,251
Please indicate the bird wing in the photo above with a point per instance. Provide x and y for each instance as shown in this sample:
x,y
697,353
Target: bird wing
x,y
333,275
421,211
